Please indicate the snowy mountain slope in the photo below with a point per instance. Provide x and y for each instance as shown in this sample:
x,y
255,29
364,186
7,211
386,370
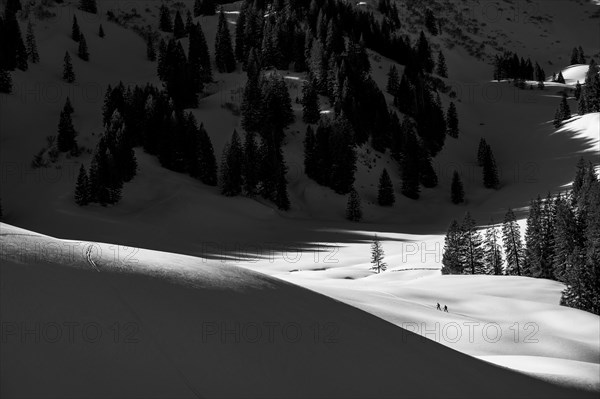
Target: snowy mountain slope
x,y
173,343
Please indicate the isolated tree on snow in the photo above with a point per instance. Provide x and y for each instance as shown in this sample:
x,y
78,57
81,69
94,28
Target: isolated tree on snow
x,y
65,139
377,255
224,56
385,193
178,26
5,81
165,23
82,51
490,170
560,78
32,52
457,192
452,121
353,208
492,251
101,31
513,247
441,68
453,257
68,74
82,188
481,151
75,31
310,103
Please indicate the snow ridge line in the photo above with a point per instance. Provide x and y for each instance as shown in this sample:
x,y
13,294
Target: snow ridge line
x,y
88,257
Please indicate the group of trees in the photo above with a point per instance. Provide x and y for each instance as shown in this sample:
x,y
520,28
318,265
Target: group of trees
x,y
589,94
13,52
561,242
577,56
511,66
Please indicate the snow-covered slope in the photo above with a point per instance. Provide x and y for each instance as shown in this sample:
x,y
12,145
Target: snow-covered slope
x,y
79,323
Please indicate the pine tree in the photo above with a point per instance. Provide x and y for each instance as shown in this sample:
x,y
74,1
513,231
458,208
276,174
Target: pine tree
x,y
490,171
493,251
252,116
310,103
5,81
32,53
473,251
457,192
566,237
82,51
377,256
560,78
353,208
150,51
481,151
165,23
574,56
231,169
13,53
540,75
441,68
65,140
385,193
224,56
82,188
452,259
513,247
207,163
178,26
533,240
88,6
342,156
250,169
581,56
68,107
592,88
75,31
563,112
452,121
423,52
68,74
393,82
101,31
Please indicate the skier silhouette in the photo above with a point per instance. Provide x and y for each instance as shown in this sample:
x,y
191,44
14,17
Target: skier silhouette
x,y
445,308
438,306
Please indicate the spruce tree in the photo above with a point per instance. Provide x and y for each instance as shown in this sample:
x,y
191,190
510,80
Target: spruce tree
x,y
566,237
251,108
377,256
493,251
68,107
224,56
32,53
342,156
441,68
385,192
532,264
453,259
82,51
574,56
513,247
592,88
490,171
65,139
353,208
68,74
481,151
560,78
75,31
457,192
82,188
452,121
310,103
101,31
165,23
178,26
5,81
197,8
473,251
250,167
231,169
581,56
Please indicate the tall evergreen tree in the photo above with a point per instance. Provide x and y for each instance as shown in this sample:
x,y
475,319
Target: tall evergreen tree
x,y
563,112
353,208
377,256
224,56
513,247
581,56
452,121
231,169
492,251
82,188
453,259
82,51
178,26
533,240
441,68
250,167
566,237
68,74
310,103
32,52
385,193
560,78
65,139
490,170
101,31
473,250
165,23
481,151
68,107
457,192
75,31
574,56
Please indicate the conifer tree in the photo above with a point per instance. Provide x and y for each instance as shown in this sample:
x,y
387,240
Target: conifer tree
x,y
423,52
452,121
581,56
453,257
441,68
5,81
250,167
310,103
231,169
165,23
75,31
197,8
13,53
493,251
566,237
65,139
563,112
342,156
240,39
540,75
224,56
377,256
81,188
574,56
353,208
457,192
252,115
150,51
560,78
82,51
533,240
101,31
481,151
207,163
513,247
592,88
68,74
473,251
88,6
178,26
490,171
385,192
68,107
32,52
